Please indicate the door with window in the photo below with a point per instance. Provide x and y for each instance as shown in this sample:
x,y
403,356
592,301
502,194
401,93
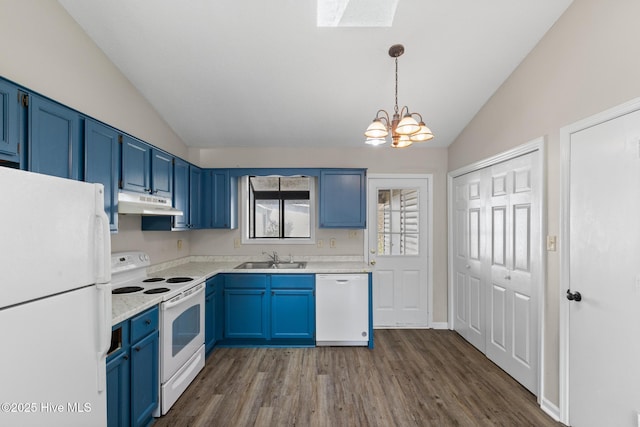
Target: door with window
x,y
399,244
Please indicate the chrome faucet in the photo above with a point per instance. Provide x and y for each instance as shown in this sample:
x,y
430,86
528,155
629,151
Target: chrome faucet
x,y
273,256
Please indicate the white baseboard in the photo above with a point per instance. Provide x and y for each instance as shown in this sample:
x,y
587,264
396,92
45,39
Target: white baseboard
x,y
439,325
550,409
434,325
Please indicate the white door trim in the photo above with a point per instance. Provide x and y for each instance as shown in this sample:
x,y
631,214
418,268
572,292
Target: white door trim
x,y
538,144
429,178
565,200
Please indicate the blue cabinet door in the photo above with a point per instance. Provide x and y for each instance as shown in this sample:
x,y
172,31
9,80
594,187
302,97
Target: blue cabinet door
x,y
102,164
162,173
213,322
144,379
221,199
55,139
245,313
292,314
181,193
343,198
9,122
118,390
136,165
195,197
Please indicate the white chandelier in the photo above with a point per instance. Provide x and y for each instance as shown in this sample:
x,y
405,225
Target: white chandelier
x,y
405,131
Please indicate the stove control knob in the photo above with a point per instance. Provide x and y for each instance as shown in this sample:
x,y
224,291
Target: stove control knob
x,y
141,256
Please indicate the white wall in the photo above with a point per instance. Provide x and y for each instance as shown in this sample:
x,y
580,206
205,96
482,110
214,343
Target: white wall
x,y
587,63
43,49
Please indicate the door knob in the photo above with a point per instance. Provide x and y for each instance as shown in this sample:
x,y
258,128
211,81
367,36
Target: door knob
x,y
574,296
373,262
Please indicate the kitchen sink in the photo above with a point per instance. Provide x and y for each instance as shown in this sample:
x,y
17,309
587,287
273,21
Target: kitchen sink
x,y
255,265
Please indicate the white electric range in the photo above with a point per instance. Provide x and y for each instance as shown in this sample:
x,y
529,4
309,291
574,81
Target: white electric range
x,y
181,351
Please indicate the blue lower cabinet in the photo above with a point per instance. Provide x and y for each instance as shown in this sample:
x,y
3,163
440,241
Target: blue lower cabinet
x,y
144,379
213,312
292,314
132,371
118,390
246,313
269,309
293,307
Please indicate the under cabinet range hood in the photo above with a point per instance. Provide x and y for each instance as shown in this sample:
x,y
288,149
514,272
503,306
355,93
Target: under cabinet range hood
x,y
145,204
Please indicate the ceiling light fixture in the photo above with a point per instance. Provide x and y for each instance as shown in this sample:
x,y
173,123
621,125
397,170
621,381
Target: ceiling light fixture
x,y
404,131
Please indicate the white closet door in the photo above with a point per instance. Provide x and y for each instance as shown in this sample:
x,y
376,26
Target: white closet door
x,y
513,227
496,264
469,296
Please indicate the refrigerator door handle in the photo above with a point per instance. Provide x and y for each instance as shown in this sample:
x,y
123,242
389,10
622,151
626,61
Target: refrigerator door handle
x,y
103,239
104,331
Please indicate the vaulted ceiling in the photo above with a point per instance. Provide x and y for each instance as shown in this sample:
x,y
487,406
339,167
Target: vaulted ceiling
x,y
257,73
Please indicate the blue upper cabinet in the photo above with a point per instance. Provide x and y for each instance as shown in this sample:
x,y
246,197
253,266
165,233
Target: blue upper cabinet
x,y
146,169
195,195
181,193
220,196
343,198
9,121
55,139
102,164
187,185
161,173
136,165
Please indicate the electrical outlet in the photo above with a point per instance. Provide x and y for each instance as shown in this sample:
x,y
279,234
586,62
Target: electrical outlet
x,y
236,243
332,243
179,243
320,243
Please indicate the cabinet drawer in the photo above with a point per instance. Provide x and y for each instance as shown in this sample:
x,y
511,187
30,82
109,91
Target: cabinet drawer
x,y
255,281
144,323
292,281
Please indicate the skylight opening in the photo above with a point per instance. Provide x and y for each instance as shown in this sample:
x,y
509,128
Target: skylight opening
x,y
356,13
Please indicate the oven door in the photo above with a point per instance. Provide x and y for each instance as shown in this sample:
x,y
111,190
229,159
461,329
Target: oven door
x,y
182,330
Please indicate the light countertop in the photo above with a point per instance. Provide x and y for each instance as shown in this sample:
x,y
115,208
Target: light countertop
x,y
126,306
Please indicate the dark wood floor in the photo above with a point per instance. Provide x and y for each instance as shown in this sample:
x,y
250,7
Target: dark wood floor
x,y
411,378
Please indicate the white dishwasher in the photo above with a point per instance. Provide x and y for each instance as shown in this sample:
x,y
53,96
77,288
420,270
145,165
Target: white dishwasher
x,y
342,309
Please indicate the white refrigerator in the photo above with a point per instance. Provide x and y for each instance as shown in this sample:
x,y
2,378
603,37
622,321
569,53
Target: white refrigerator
x,y
55,301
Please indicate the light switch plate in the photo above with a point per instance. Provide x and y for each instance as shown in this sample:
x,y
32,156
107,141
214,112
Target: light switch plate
x,y
551,243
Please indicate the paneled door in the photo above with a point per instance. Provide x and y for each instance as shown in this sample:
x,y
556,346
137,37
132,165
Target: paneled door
x,y
399,244
496,263
468,282
512,293
603,253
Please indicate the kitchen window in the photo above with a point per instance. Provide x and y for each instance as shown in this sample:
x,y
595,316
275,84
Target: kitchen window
x,y
278,209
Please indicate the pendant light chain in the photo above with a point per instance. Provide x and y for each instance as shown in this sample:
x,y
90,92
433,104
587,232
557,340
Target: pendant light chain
x,y
396,104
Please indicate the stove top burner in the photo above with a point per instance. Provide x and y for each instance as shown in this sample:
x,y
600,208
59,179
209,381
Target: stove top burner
x,y
156,291
126,290
179,279
153,279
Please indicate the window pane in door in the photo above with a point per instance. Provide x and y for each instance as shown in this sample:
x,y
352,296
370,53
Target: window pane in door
x,y
398,221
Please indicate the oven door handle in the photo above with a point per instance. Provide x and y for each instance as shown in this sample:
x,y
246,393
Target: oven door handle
x,y
171,303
